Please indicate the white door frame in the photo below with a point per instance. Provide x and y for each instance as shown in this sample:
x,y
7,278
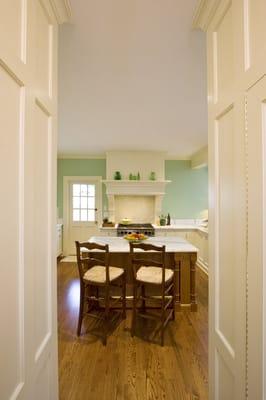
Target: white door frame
x,y
256,262
66,182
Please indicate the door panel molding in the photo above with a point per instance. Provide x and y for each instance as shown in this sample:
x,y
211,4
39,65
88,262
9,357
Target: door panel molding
x,y
12,215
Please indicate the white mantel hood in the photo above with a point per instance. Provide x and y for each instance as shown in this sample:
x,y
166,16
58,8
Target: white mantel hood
x,y
116,190
132,195
135,188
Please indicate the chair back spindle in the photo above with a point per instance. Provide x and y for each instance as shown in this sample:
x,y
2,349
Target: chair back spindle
x,y
138,262
85,263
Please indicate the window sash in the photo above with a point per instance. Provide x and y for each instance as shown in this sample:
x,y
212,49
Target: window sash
x,y
83,202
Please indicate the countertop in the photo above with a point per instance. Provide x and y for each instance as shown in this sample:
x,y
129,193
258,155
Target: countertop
x,y
179,227
121,245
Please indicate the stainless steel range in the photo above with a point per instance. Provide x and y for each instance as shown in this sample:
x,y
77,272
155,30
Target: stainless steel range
x,y
146,229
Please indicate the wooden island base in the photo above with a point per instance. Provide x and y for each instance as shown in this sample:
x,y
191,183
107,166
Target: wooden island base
x,y
183,263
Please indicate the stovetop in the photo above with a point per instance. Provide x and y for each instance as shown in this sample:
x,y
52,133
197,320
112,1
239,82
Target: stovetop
x,y
132,226
146,229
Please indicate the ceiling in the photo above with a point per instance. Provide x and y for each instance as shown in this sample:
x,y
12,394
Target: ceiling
x,y
132,76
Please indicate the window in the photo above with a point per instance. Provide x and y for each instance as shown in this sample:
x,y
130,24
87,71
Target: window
x,y
83,202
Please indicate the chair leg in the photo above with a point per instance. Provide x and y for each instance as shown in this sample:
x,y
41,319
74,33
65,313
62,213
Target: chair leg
x,y
124,300
143,303
97,303
133,322
162,321
106,316
173,302
81,307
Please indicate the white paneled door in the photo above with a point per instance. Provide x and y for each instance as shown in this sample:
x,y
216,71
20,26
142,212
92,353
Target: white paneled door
x,y
82,210
236,32
227,228
28,111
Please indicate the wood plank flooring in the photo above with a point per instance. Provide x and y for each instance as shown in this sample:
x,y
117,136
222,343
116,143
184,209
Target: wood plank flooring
x,y
131,369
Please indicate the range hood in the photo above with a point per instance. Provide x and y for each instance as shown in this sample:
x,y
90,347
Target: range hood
x,y
146,190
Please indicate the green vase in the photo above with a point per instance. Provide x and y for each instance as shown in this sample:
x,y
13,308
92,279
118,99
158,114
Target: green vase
x,y
152,176
117,176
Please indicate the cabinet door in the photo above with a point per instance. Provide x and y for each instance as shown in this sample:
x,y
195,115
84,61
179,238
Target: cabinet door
x,y
201,247
206,251
112,233
191,237
160,233
178,233
59,240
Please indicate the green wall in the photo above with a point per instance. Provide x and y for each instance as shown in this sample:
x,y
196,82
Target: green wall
x,y
185,197
78,167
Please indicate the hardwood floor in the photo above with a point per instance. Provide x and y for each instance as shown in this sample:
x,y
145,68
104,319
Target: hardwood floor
x,y
131,369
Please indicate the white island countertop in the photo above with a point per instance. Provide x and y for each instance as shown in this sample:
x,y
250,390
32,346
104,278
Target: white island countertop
x,y
173,244
165,228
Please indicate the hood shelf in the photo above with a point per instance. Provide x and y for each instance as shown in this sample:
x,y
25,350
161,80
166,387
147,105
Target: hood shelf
x,y
135,188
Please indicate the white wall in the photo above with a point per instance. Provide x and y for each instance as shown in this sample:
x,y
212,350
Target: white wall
x,y
133,162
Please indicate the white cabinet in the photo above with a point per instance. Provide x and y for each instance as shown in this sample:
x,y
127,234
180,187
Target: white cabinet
x,y
185,234
111,233
200,240
108,232
182,234
195,236
59,239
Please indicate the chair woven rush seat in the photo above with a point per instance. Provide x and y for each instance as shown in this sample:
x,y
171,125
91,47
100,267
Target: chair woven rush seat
x,y
95,272
153,275
148,272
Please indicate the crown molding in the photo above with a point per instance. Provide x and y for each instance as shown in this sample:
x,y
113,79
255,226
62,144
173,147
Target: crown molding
x,y
81,157
204,13
62,10
200,158
177,158
64,156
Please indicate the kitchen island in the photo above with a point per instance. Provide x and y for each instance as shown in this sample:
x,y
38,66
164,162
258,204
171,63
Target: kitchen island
x,y
180,256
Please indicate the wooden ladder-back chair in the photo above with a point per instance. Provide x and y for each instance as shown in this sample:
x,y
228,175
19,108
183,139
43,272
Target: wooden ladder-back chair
x,y
95,272
151,271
